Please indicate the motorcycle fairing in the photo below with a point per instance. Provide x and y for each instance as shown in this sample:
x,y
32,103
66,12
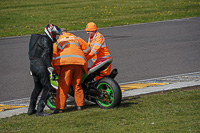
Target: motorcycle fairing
x,y
100,64
97,67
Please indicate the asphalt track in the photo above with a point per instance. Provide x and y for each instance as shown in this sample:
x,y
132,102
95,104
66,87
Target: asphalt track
x,y
141,51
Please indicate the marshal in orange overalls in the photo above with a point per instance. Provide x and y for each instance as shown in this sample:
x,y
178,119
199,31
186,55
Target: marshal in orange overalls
x,y
69,61
99,48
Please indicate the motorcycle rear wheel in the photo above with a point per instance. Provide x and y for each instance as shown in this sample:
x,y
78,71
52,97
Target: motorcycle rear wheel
x,y
112,93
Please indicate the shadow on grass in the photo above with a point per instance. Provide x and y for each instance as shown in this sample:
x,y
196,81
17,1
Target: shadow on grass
x,y
126,102
73,108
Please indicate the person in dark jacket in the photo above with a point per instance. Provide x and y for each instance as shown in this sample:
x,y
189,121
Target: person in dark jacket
x,y
40,56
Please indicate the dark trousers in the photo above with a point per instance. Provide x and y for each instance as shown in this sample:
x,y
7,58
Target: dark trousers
x,y
41,81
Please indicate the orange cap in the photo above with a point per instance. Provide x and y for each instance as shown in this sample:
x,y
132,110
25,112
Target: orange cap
x,y
91,26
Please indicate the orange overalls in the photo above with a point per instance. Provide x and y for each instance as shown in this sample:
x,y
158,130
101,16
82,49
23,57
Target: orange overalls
x,y
69,61
99,49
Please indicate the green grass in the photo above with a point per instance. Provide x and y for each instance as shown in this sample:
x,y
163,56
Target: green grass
x,y
24,17
174,111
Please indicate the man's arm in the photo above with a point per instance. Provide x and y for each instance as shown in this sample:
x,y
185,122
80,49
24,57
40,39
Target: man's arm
x,y
84,46
96,47
46,55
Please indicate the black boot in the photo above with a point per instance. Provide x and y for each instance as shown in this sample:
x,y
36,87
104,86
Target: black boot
x,y
40,108
31,108
56,111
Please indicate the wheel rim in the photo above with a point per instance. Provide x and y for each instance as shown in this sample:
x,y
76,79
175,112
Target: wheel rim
x,y
108,93
51,101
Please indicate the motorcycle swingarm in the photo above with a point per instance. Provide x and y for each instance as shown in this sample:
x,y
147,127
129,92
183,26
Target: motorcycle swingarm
x,y
93,92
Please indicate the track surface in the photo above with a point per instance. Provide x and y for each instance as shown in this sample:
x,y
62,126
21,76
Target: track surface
x,y
141,51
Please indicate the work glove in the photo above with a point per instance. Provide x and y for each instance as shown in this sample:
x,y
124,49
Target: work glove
x,y
52,73
50,69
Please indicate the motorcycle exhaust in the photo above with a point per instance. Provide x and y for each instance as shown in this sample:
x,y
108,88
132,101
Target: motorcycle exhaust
x,y
114,73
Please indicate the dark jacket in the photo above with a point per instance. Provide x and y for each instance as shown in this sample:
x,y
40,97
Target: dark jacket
x,y
40,50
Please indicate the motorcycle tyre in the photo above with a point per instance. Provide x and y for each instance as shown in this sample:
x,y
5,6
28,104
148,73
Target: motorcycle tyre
x,y
51,100
115,93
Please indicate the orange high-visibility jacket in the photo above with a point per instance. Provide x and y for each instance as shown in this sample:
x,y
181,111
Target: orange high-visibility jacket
x,y
99,48
70,50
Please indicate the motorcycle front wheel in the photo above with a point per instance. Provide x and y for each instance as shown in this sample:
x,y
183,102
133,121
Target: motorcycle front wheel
x,y
51,100
111,91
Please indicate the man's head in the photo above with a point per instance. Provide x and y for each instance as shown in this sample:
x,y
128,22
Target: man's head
x,y
91,29
51,31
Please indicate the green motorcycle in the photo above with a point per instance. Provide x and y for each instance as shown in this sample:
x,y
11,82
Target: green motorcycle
x,y
104,92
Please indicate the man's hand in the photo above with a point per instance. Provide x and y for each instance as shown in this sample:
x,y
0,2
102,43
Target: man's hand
x,y
51,71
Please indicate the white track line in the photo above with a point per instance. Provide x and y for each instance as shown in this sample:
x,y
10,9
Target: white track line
x,y
160,78
119,84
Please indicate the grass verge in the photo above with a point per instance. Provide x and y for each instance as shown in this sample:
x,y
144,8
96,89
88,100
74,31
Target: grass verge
x,y
20,17
173,111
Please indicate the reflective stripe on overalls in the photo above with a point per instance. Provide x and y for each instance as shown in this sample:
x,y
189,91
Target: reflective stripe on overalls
x,y
61,48
63,56
102,46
